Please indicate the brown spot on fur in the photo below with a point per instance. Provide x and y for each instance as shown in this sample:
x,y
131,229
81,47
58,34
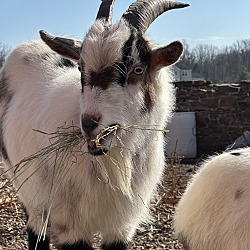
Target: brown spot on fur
x,y
238,194
103,78
183,241
61,229
149,95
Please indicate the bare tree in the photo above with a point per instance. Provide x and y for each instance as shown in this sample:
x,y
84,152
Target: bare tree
x,y
4,50
229,64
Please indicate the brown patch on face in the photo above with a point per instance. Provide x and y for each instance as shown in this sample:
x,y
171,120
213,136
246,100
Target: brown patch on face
x,y
103,78
149,94
147,88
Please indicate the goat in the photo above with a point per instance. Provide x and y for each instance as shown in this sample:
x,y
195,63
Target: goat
x,y
213,212
123,80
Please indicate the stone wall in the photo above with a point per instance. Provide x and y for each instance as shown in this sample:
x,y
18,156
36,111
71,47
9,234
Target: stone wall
x,y
222,112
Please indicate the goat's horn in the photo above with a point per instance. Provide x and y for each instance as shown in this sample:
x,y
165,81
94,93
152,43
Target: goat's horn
x,y
106,10
143,12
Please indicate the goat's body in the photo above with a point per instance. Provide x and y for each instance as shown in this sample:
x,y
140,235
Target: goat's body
x,y
104,183
214,212
44,95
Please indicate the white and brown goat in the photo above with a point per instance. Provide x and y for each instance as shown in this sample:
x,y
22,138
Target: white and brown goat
x,y
103,189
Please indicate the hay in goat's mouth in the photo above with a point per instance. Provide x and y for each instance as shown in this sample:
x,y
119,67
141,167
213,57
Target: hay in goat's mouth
x,y
111,130
68,141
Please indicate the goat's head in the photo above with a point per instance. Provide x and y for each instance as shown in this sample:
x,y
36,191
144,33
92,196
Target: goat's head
x,y
118,66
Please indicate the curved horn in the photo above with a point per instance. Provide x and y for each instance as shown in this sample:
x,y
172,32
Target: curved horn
x,y
143,12
106,10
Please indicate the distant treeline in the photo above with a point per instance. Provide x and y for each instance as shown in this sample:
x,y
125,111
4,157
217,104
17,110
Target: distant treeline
x,y
229,64
4,50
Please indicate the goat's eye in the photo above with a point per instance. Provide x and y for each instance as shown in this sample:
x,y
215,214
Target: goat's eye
x,y
79,68
138,70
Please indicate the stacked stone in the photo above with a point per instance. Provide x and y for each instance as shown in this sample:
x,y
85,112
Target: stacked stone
x,y
222,111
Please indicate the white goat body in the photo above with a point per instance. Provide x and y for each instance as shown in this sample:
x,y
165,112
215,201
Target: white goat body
x,y
91,190
45,98
213,212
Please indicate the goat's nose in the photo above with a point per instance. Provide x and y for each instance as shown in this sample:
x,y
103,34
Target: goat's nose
x,y
90,123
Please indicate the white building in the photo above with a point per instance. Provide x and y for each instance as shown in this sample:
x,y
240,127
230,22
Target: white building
x,y
182,75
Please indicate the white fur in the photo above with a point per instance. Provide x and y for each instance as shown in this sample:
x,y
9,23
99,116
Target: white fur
x,y
78,195
214,210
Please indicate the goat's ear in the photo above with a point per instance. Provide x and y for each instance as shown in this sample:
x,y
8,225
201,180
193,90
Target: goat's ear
x,y
66,47
167,55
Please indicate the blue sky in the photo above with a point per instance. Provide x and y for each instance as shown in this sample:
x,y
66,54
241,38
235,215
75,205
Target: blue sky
x,y
216,22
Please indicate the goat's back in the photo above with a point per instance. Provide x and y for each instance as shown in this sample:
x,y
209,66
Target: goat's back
x,y
214,212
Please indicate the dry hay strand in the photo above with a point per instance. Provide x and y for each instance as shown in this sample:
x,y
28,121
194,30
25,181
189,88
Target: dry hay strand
x,y
64,141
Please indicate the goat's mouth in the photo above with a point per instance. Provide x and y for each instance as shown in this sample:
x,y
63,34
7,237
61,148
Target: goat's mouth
x,y
95,149
103,141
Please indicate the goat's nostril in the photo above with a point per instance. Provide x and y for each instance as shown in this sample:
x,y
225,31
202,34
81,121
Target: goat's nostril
x,y
90,123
